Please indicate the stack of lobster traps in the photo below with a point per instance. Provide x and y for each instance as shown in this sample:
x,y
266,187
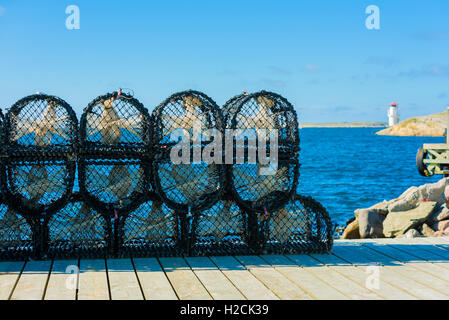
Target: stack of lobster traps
x,y
190,179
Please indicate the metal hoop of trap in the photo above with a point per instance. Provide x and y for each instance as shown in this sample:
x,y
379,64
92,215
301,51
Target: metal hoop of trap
x,y
41,124
223,229
114,160
257,120
78,230
153,228
301,226
15,232
41,137
190,119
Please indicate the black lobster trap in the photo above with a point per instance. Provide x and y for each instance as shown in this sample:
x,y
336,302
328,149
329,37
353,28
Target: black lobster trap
x,y
302,226
262,166
223,229
40,137
16,235
154,185
115,153
152,229
77,230
185,125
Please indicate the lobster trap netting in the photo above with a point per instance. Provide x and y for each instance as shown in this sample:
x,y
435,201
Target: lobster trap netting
x,y
185,126
41,123
260,113
36,186
113,184
264,188
188,185
78,230
151,229
115,122
199,206
224,229
16,236
264,171
301,226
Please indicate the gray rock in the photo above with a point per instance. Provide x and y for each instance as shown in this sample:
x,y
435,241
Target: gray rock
x,y
413,197
412,233
398,223
371,223
440,215
351,231
427,231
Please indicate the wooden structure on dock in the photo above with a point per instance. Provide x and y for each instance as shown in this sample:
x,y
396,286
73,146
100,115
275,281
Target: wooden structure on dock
x,y
364,269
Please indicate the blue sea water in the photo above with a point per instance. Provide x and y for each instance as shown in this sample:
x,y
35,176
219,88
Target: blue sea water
x,y
350,168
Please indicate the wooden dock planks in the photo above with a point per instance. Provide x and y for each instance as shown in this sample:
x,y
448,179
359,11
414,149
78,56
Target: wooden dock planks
x,y
183,280
9,275
154,283
123,282
33,281
63,281
93,281
215,282
245,281
404,269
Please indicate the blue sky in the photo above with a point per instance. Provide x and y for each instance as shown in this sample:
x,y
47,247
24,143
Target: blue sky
x,y
318,54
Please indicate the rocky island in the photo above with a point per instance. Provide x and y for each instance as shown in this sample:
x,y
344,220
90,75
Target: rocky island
x,y
433,125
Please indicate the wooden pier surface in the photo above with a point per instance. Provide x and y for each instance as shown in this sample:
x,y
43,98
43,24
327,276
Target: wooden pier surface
x,y
363,269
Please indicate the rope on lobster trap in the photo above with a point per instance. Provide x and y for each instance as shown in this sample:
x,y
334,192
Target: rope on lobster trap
x,y
301,226
262,120
183,119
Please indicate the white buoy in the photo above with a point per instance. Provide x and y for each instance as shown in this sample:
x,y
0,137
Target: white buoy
x,y
393,114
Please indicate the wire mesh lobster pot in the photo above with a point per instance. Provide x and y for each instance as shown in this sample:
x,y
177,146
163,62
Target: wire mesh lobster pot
x,y
223,229
114,159
301,226
16,235
263,167
40,125
186,126
152,229
77,230
40,135
40,140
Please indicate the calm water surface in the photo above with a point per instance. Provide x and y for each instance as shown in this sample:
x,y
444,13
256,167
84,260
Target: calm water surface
x,y
350,168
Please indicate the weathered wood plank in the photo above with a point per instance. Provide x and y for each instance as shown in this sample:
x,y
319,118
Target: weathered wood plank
x,y
123,282
384,289
33,281
274,280
60,286
218,286
392,271
9,275
311,284
439,245
93,282
153,280
183,280
348,288
414,260
422,245
244,280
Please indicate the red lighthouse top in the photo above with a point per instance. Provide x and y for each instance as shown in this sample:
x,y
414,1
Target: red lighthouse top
x,y
394,104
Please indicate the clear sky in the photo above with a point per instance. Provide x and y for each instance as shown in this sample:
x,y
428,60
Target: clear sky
x,y
318,54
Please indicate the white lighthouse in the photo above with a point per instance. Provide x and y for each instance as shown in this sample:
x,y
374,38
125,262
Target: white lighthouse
x,y
393,114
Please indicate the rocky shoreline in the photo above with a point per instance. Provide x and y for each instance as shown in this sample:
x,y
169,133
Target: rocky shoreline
x,y
419,212
433,125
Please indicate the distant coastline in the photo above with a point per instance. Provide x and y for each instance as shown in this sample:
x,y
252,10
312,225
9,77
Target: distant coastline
x,y
344,125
